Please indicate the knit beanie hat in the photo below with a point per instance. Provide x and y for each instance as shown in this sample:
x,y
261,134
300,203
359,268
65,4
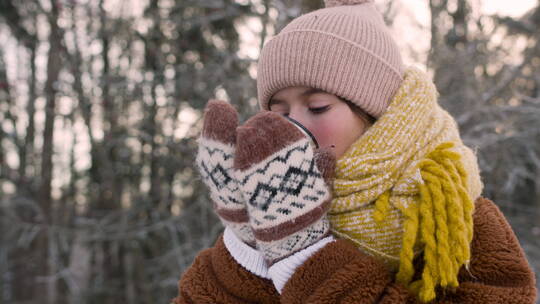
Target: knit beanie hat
x,y
344,49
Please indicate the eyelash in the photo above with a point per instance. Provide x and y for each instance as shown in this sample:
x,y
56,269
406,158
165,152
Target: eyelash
x,y
316,111
319,110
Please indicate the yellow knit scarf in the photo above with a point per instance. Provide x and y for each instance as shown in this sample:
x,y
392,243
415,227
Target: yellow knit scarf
x,y
407,186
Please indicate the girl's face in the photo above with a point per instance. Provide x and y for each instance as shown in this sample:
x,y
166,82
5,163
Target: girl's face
x,y
326,116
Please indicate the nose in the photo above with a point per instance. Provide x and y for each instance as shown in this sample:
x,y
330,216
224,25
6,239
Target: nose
x,y
297,115
305,130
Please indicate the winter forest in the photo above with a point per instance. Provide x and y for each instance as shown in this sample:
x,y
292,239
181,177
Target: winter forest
x,y
101,103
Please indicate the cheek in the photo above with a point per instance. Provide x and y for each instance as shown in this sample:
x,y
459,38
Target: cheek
x,y
341,133
327,133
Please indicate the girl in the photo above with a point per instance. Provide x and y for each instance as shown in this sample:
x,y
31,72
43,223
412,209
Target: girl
x,y
351,186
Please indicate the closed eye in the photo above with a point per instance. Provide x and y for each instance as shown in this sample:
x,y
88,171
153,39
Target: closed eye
x,y
319,110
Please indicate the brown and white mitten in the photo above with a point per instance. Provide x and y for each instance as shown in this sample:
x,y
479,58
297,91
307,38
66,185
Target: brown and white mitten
x,y
284,183
215,159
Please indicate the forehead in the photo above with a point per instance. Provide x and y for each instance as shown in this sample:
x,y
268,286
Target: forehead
x,y
294,92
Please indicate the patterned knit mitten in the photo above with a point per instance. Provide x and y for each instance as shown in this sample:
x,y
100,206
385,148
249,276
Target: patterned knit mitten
x,y
215,160
284,182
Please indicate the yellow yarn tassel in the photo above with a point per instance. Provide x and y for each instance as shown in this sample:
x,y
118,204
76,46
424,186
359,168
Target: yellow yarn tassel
x,y
435,196
442,221
406,255
382,205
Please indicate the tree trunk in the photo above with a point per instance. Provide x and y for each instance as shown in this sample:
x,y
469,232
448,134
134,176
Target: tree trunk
x,y
27,150
45,289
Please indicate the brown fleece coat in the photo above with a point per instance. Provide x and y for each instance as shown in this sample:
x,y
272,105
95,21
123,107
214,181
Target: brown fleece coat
x,y
340,273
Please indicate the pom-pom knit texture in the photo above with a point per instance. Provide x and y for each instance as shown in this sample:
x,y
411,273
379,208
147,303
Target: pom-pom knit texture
x,y
330,3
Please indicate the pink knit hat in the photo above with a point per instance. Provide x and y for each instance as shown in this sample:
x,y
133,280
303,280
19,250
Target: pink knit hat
x,y
344,49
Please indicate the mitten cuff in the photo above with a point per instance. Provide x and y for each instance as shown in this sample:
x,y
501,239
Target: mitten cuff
x,y
251,259
283,270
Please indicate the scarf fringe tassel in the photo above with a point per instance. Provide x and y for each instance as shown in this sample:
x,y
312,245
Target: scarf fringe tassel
x,y
441,223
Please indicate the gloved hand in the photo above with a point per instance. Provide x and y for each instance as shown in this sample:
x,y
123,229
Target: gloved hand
x,y
285,183
215,160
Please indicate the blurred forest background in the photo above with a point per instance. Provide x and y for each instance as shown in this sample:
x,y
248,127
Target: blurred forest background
x,y
100,106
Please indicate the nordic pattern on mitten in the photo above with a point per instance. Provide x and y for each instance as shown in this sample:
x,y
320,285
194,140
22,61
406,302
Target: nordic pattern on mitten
x,y
285,192
215,159
275,251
